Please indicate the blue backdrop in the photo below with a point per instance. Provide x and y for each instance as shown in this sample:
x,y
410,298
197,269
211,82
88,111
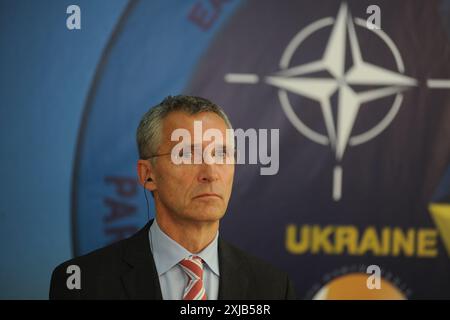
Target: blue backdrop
x,y
46,72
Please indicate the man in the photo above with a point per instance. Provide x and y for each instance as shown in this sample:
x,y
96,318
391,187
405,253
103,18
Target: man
x,y
179,254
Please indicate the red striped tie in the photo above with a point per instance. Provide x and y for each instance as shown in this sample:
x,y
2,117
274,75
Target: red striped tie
x,y
193,266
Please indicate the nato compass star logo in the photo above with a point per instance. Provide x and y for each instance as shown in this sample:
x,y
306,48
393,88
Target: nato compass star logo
x,y
297,79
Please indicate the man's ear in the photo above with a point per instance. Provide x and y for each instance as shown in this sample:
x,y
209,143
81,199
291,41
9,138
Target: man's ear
x,y
145,171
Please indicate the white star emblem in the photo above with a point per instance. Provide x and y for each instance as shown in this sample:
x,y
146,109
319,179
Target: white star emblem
x,y
295,80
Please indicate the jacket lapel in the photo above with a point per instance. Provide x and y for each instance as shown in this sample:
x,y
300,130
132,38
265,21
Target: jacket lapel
x,y
141,281
233,282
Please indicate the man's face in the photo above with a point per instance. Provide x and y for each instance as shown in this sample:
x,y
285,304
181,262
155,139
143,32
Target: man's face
x,y
196,192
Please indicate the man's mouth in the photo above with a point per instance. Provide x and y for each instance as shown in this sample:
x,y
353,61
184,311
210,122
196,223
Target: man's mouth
x,y
207,195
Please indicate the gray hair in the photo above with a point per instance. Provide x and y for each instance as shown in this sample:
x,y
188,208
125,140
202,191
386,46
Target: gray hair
x,y
148,135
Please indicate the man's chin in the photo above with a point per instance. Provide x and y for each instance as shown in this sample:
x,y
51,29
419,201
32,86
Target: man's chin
x,y
205,214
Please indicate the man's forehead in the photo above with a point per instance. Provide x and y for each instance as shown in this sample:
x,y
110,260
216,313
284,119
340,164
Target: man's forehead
x,y
184,120
197,126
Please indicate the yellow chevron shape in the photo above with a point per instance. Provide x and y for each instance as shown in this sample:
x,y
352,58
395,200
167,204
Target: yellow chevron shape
x,y
441,216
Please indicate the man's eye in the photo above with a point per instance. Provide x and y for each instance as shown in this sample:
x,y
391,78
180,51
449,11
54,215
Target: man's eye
x,y
185,154
220,153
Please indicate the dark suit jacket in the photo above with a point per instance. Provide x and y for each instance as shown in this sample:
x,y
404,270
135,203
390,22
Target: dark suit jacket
x,y
126,270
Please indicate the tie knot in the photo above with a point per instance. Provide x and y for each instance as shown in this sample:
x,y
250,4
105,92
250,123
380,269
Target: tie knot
x,y
193,266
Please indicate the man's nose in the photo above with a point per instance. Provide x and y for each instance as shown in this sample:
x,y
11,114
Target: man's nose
x,y
208,173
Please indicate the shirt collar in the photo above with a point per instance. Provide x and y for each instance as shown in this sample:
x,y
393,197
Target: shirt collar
x,y
167,252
